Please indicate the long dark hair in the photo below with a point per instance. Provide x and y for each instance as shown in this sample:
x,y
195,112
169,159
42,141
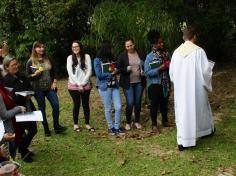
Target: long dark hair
x,y
82,57
104,52
153,36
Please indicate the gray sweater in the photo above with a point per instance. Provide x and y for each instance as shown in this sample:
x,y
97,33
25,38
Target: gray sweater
x,y
6,115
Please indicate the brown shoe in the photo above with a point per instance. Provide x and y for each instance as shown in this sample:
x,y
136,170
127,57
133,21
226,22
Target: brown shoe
x,y
155,130
167,124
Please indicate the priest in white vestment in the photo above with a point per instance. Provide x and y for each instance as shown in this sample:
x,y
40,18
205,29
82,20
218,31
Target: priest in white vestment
x,y
191,73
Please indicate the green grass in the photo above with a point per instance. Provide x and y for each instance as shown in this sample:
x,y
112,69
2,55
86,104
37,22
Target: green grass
x,y
138,153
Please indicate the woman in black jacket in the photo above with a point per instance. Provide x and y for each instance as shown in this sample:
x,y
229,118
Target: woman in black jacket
x,y
14,79
132,80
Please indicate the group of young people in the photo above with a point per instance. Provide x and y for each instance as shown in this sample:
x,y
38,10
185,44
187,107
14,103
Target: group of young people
x,y
188,69
134,72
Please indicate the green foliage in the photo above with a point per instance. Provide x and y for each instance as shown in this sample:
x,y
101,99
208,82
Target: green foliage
x,y
55,22
58,22
215,22
117,20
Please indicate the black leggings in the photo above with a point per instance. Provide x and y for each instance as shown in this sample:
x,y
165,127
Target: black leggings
x,y
76,96
158,100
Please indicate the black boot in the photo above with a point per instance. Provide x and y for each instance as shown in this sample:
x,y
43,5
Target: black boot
x,y
47,132
181,147
59,129
27,158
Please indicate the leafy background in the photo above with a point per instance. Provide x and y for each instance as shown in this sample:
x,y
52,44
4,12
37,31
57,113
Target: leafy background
x,y
58,22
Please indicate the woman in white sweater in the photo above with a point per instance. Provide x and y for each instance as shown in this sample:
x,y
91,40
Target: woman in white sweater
x,y
79,69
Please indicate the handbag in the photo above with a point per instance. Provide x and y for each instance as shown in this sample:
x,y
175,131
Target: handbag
x,y
87,86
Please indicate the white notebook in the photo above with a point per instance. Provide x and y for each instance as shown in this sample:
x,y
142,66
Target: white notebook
x,y
29,116
2,130
25,93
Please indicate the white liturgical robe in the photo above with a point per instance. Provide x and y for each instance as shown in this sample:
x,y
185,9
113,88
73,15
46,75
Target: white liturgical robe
x,y
191,73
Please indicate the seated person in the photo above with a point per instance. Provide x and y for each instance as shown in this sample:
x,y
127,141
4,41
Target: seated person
x,y
14,79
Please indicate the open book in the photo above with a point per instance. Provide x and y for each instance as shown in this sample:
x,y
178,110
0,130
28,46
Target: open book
x,y
29,116
106,66
211,63
25,93
154,64
33,68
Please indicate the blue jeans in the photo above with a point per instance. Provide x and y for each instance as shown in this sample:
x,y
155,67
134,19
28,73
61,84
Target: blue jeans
x,y
51,95
108,96
133,96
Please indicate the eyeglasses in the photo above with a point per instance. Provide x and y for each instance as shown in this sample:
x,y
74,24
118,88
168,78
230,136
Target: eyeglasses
x,y
39,47
74,47
13,65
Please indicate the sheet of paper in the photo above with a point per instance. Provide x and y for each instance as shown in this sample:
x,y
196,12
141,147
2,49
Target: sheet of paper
x,y
2,130
9,88
25,93
29,116
212,63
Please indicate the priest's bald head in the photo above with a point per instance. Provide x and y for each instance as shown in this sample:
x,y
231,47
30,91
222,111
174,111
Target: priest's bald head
x,y
189,33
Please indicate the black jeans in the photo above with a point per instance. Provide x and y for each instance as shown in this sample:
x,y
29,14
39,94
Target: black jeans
x,y
157,99
27,132
76,96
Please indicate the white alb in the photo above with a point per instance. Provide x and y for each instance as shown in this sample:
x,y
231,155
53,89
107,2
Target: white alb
x,y
191,73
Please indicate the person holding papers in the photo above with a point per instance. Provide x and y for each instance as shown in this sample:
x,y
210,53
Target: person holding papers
x,y
14,79
108,87
79,68
191,74
40,71
132,80
156,70
8,110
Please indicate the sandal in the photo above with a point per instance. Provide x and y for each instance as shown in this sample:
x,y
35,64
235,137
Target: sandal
x,y
77,129
91,129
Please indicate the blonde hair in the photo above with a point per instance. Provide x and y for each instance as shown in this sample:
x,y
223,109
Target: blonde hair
x,y
5,50
7,60
34,56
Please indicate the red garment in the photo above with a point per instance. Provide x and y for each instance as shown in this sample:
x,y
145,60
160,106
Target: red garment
x,y
9,103
7,98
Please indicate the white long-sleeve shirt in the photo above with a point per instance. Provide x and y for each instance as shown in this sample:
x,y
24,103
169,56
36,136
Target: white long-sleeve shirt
x,y
79,77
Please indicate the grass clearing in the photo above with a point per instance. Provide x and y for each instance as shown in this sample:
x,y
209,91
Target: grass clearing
x,y
137,153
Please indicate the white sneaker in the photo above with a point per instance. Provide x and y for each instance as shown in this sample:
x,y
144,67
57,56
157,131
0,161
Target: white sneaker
x,y
127,126
137,125
76,126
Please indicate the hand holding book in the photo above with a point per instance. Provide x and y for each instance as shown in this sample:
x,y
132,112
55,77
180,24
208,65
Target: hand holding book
x,y
108,67
112,67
